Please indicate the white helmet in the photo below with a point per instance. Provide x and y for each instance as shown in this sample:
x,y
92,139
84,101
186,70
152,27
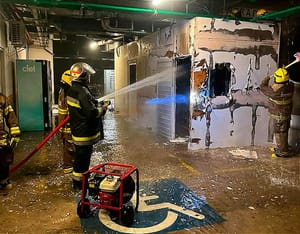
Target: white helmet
x,y
81,71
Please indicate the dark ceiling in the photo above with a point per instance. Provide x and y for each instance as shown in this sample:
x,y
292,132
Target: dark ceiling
x,y
120,20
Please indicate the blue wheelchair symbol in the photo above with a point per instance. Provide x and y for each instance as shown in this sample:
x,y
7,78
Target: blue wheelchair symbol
x,y
165,206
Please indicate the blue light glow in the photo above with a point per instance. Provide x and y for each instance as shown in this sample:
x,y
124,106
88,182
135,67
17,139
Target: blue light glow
x,y
169,99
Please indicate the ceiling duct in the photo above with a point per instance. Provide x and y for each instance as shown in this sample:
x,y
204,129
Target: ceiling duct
x,y
17,33
105,23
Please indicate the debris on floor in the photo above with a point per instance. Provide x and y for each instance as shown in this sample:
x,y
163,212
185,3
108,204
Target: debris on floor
x,y
179,140
246,154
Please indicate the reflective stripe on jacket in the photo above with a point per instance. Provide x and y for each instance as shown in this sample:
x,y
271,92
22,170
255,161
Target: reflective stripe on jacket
x,y
63,111
84,114
7,118
280,98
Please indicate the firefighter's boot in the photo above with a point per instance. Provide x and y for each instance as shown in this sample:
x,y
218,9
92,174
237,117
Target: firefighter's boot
x,y
282,149
77,180
5,184
68,170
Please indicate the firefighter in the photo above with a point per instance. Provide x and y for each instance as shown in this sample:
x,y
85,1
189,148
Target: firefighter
x,y
280,105
68,146
85,119
9,137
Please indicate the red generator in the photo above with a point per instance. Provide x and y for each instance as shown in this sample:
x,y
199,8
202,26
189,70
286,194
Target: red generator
x,y
110,186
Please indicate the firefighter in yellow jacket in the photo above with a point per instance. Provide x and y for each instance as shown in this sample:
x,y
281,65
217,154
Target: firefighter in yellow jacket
x,y
9,137
68,147
280,105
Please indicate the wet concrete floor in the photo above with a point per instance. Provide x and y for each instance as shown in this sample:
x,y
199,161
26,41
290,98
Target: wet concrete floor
x,y
252,191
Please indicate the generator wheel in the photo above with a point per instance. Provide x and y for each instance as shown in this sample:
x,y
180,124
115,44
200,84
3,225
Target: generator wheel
x,y
127,214
83,210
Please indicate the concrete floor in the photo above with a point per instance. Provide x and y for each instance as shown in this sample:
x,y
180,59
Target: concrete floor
x,y
250,190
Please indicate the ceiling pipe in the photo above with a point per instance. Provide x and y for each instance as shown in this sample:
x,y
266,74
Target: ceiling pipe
x,y
29,38
101,7
110,41
42,40
96,6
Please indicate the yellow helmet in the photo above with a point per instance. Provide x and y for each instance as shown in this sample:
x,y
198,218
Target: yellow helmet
x,y
261,12
66,78
281,75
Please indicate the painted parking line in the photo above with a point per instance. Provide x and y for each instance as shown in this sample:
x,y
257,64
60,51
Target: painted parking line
x,y
185,165
196,172
238,169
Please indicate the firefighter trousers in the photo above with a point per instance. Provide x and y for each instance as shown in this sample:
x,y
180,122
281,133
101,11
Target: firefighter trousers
x,y
68,154
82,159
281,128
6,158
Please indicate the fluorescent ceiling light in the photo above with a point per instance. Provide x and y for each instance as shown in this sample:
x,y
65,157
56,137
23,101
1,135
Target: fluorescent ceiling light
x,y
93,45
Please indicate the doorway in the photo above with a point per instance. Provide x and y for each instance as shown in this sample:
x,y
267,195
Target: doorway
x,y
182,113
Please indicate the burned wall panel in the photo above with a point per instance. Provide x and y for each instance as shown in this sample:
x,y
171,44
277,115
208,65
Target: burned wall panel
x,y
183,33
236,115
234,106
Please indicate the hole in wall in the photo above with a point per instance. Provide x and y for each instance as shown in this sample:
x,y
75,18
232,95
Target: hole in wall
x,y
219,80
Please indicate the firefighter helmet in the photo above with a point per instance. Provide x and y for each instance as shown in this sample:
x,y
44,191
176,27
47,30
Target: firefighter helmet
x,y
281,76
66,78
81,71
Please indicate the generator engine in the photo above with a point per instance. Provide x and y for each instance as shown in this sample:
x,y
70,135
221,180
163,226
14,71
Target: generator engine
x,y
93,185
106,189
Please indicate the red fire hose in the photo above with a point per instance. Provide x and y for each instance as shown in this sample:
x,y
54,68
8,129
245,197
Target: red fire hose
x,y
40,145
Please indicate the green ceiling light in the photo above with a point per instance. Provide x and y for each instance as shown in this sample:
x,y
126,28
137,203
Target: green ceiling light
x,y
98,7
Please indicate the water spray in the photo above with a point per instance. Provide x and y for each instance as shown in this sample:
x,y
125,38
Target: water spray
x,y
297,56
164,76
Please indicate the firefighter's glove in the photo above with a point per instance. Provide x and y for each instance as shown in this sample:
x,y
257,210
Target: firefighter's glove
x,y
13,142
105,103
102,110
108,102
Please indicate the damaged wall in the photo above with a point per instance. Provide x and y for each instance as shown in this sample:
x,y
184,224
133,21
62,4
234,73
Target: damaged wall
x,y
229,60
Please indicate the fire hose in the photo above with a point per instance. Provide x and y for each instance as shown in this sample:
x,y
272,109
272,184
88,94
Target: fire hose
x,y
297,56
40,145
297,59
44,141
